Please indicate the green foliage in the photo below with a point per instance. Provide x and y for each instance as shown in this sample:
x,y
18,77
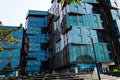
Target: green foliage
x,y
1,48
57,77
6,35
24,76
70,1
53,72
45,76
19,79
31,78
71,75
6,78
115,70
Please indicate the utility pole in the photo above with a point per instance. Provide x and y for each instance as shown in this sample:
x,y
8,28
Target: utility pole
x,y
96,62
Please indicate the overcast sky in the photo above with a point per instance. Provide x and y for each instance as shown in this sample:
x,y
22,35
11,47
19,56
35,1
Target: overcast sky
x,y
13,12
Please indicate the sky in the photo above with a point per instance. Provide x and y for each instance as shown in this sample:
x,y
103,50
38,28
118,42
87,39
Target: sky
x,y
13,12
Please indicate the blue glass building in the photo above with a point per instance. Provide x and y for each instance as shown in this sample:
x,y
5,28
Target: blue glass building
x,y
10,57
36,32
70,38
76,37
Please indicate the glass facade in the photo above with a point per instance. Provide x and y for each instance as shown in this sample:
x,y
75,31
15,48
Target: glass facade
x,y
70,38
37,35
77,37
111,20
10,57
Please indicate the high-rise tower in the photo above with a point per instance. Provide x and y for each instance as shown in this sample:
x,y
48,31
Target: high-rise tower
x,y
36,31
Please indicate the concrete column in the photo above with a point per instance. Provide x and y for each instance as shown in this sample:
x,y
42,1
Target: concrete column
x,y
16,73
95,69
108,69
76,70
103,70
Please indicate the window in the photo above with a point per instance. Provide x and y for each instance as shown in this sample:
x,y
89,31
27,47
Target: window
x,y
85,9
43,46
37,45
44,23
89,39
119,39
43,30
45,57
29,63
86,50
80,38
78,49
96,24
75,23
76,8
31,32
102,48
79,30
81,23
116,3
95,17
36,48
30,44
0,59
103,51
36,63
88,31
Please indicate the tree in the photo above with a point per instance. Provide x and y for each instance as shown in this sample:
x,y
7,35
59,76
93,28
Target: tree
x,y
71,1
6,35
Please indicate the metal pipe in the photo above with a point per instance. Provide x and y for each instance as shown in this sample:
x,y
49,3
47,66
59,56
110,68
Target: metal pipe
x,y
97,66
